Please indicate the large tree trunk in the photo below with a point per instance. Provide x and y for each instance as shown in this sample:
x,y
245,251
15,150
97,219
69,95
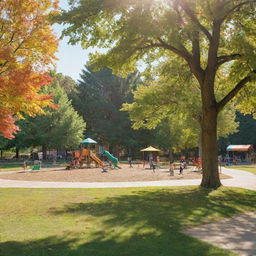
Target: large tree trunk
x,y
209,148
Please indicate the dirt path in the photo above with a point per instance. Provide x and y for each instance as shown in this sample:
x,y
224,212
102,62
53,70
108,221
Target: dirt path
x,y
126,174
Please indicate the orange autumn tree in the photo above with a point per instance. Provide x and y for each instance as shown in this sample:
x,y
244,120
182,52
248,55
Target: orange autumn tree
x,y
27,48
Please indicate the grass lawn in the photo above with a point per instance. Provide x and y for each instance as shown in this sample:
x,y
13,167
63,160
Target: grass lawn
x,y
16,166
12,167
247,168
113,222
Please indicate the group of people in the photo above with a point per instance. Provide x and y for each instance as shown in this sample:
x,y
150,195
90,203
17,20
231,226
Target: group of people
x,y
153,164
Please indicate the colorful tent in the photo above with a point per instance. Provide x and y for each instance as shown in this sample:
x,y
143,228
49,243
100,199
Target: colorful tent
x,y
239,148
150,149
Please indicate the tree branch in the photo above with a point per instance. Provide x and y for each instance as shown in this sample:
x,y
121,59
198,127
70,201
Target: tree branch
x,y
192,61
221,104
196,47
6,62
162,44
193,17
1,36
11,39
226,58
181,52
211,68
236,7
148,46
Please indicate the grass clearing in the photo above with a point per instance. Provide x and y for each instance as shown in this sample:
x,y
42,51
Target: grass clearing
x,y
113,222
247,168
17,166
4,167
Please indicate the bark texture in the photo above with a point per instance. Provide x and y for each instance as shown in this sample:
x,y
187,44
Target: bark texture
x,y
211,177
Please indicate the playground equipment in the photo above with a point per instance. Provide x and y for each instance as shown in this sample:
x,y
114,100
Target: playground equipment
x,y
37,165
113,159
79,156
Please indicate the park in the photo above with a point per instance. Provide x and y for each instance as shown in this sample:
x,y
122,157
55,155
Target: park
x,y
127,128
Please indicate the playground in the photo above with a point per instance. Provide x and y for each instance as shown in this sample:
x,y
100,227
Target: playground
x,y
99,165
136,173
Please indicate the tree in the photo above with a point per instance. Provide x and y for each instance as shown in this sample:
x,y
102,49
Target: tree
x,y
66,82
214,39
59,128
99,97
164,103
245,135
3,146
27,47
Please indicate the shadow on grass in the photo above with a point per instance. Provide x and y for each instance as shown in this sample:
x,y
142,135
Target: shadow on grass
x,y
141,223
163,208
171,244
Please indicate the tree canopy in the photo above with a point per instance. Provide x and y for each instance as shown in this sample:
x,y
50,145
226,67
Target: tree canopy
x,y
27,47
98,99
176,98
60,127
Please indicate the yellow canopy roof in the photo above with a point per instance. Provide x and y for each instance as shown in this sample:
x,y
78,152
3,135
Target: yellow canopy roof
x,y
150,149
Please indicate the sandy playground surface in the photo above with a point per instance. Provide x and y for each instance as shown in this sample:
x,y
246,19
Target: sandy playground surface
x,y
137,173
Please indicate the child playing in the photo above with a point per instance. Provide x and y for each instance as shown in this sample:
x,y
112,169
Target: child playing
x,y
182,167
129,161
24,165
104,169
171,170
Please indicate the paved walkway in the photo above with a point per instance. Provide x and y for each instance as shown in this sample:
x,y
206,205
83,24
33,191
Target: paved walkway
x,y
239,179
237,234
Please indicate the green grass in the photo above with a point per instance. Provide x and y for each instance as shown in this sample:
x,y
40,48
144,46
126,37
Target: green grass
x,y
113,222
247,168
12,167
16,166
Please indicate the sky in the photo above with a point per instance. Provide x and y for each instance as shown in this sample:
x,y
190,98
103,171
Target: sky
x,y
72,58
